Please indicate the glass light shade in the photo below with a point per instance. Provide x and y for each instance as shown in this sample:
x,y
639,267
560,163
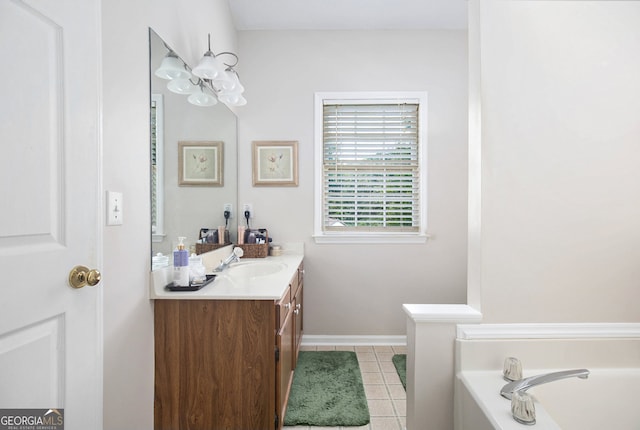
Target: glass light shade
x,y
224,81
237,86
172,68
232,99
209,67
202,98
230,83
240,101
182,86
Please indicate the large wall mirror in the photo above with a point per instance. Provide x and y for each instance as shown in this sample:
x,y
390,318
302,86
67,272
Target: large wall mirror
x,y
193,162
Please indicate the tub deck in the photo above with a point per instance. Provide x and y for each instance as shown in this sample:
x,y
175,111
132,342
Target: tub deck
x,y
606,400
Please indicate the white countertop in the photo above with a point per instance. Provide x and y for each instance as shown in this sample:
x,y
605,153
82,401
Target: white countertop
x,y
228,287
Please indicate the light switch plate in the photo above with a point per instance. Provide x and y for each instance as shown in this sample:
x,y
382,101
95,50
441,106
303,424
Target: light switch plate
x,y
114,208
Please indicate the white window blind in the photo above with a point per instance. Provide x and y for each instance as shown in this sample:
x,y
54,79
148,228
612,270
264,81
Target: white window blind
x,y
371,167
157,168
154,167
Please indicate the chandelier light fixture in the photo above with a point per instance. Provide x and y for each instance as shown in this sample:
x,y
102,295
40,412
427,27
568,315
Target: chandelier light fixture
x,y
211,80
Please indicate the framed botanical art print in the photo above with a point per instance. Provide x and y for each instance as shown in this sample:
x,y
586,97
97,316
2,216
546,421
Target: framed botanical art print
x,y
275,163
200,163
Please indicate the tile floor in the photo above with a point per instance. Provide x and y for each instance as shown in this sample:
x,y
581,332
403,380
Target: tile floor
x,y
385,395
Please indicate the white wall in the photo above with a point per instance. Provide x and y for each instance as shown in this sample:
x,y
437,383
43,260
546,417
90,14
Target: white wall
x,y
560,218
359,289
128,313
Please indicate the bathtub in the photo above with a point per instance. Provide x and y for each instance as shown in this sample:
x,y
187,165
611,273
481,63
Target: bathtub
x,y
606,400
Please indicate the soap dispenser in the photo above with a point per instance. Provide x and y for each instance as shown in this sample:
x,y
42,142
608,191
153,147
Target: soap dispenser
x,y
181,265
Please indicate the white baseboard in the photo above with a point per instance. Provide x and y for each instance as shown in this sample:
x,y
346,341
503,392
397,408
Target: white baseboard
x,y
339,340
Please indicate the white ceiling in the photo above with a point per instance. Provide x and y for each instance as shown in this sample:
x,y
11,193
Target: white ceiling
x,y
348,14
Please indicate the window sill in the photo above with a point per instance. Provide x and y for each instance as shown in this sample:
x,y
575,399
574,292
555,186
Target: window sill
x,y
156,238
370,238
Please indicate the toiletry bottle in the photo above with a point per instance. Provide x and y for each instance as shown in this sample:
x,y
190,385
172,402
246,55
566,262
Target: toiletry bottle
x,y
181,265
241,229
251,237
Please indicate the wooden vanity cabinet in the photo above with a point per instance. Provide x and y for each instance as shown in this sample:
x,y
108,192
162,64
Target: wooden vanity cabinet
x,y
225,364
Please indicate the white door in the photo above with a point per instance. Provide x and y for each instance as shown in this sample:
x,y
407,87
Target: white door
x,y
50,206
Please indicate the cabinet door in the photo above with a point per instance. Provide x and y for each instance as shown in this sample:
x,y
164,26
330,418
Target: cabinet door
x,y
297,324
283,307
214,364
284,366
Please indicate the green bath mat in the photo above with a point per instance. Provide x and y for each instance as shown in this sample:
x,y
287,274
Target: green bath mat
x,y
400,361
327,391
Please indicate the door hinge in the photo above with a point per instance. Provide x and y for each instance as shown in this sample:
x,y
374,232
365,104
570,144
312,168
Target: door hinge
x,y
277,354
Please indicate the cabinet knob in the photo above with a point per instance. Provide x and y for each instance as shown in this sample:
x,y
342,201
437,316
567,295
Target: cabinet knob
x,y
287,306
298,306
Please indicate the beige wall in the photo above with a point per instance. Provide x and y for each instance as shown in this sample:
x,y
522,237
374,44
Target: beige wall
x,y
128,314
560,218
559,177
348,290
359,289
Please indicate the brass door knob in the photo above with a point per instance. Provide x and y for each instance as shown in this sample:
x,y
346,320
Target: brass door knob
x,y
81,276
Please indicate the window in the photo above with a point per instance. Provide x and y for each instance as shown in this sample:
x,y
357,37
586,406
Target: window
x,y
370,167
157,168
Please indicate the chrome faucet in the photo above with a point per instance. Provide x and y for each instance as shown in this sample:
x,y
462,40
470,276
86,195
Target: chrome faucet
x,y
235,256
525,383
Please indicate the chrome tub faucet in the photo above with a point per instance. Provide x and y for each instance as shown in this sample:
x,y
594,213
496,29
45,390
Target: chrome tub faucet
x,y
524,384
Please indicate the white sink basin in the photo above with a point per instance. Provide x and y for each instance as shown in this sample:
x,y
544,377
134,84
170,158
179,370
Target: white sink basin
x,y
253,269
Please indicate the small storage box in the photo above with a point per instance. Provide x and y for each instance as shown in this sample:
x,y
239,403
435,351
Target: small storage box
x,y
256,250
